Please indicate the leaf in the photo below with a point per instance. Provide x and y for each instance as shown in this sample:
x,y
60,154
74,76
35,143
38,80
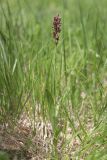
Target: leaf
x,y
3,156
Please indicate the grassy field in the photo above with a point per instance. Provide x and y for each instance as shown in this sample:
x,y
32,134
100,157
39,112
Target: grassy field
x,y
57,92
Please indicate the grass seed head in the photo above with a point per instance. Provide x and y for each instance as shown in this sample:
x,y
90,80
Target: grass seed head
x,y
56,28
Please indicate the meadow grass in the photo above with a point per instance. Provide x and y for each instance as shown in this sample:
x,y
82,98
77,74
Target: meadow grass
x,y
67,82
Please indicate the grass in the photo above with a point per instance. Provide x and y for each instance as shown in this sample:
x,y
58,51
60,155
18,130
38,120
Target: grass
x,y
66,85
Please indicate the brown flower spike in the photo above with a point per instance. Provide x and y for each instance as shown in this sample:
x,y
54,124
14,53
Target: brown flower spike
x,y
56,28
